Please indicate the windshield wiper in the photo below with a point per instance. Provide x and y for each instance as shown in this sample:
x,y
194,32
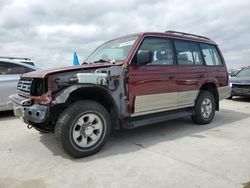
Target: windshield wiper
x,y
105,61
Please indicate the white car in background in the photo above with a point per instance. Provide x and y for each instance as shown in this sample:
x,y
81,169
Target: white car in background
x,y
11,68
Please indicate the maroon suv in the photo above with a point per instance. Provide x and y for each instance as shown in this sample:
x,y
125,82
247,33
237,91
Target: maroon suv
x,y
128,82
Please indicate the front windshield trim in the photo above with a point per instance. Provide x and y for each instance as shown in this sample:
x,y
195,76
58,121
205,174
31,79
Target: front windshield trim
x,y
135,36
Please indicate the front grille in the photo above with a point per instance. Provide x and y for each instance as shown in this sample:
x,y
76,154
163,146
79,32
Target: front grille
x,y
38,87
32,86
24,85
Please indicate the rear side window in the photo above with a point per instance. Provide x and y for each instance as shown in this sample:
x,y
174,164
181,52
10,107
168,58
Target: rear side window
x,y
11,68
211,55
188,53
161,49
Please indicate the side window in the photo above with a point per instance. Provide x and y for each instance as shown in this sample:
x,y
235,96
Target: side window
x,y
211,55
188,53
161,48
11,68
27,69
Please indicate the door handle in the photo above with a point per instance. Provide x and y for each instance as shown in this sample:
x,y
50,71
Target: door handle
x,y
201,75
168,76
171,76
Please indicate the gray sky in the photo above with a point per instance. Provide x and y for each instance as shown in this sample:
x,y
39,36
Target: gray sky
x,y
50,31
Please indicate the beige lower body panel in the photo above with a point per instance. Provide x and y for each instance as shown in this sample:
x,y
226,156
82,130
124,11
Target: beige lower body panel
x,y
224,92
147,104
187,97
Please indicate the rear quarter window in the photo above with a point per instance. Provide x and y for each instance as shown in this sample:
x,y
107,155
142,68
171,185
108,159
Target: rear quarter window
x,y
211,55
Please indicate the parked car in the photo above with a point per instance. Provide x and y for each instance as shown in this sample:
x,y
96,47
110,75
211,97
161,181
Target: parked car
x,y
10,71
127,82
240,83
233,72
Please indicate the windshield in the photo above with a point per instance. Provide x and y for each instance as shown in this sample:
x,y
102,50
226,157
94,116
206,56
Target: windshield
x,y
113,51
243,73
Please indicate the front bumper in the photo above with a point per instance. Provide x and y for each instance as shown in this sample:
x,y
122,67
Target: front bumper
x,y
241,91
28,112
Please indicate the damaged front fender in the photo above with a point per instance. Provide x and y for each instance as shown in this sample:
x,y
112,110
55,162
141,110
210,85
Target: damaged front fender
x,y
85,92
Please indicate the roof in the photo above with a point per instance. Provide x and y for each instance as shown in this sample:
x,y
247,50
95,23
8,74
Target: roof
x,y
17,59
28,64
178,35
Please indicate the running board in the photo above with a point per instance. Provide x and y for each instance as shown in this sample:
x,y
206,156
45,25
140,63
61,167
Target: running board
x,y
140,121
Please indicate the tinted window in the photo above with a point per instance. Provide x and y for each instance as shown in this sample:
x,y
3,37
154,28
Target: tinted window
x,y
161,49
11,68
188,53
211,55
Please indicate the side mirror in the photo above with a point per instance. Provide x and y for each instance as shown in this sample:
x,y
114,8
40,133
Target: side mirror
x,y
144,57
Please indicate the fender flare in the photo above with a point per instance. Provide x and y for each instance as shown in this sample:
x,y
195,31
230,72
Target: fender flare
x,y
63,95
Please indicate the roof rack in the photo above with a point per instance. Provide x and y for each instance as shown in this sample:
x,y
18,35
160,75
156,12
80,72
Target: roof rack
x,y
17,58
187,34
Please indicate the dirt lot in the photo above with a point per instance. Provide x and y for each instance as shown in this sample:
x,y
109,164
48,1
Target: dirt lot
x,y
171,154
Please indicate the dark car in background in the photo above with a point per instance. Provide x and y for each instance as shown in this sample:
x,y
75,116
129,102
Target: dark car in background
x,y
233,72
240,83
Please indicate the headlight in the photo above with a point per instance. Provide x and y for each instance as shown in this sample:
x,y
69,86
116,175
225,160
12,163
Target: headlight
x,y
38,87
230,84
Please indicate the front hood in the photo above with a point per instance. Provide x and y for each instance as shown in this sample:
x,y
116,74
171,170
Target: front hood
x,y
44,73
240,80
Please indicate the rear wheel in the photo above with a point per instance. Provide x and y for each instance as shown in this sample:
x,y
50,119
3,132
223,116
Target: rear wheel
x,y
83,128
204,108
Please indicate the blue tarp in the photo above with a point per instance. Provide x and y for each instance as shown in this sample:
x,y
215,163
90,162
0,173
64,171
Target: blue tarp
x,y
75,60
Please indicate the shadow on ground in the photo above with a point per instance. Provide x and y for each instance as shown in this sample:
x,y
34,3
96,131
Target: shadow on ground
x,y
241,99
7,115
126,141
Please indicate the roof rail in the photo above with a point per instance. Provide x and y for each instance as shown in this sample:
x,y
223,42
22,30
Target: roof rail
x,y
187,34
18,58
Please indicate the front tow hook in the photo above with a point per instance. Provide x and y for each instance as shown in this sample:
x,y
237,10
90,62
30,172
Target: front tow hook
x,y
29,126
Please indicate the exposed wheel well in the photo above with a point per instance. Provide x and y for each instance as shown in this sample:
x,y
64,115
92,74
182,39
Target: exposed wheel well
x,y
99,95
211,87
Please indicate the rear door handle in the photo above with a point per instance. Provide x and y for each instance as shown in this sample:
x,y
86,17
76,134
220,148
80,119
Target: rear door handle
x,y
201,75
171,76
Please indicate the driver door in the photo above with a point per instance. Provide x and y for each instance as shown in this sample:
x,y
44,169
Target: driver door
x,y
152,87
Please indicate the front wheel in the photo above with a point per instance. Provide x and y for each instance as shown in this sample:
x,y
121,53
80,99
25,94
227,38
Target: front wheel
x,y
83,128
204,108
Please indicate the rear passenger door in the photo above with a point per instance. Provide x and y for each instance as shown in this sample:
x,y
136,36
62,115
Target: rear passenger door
x,y
191,71
152,87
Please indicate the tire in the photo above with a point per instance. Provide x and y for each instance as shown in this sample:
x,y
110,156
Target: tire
x,y
204,108
83,128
